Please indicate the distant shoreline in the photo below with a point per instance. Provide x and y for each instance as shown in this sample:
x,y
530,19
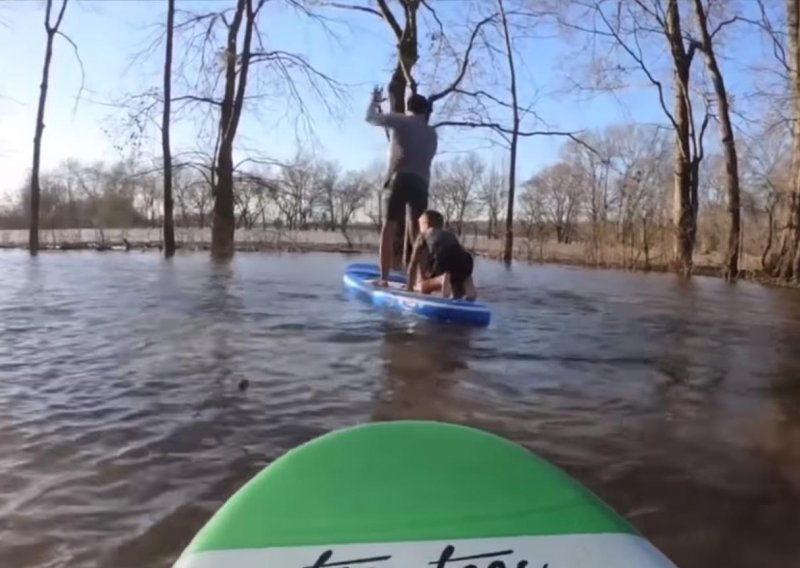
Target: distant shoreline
x,y
361,241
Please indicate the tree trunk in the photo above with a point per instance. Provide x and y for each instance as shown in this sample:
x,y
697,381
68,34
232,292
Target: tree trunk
x,y
224,220
728,145
765,255
401,79
508,248
684,207
51,30
785,263
169,224
645,244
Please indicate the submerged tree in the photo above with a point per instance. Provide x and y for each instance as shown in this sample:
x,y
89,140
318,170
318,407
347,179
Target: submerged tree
x,y
230,111
224,81
483,108
625,28
405,33
169,224
508,246
51,30
706,45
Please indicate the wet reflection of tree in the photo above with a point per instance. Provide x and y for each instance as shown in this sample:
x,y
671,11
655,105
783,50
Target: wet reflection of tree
x,y
782,442
762,506
424,363
694,362
221,314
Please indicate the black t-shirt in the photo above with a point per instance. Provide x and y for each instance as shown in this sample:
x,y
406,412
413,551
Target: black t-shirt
x,y
441,242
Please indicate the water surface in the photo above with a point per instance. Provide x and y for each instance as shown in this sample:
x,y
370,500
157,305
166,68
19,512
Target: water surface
x,y
122,427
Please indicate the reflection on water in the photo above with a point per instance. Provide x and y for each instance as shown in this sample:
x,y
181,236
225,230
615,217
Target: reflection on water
x,y
423,364
123,427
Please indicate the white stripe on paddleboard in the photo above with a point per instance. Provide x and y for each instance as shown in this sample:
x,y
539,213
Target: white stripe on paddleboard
x,y
557,551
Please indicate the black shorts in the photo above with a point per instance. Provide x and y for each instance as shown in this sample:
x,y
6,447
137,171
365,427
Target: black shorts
x,y
406,189
459,264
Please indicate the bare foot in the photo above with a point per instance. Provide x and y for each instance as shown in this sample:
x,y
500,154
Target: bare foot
x,y
470,292
381,283
447,289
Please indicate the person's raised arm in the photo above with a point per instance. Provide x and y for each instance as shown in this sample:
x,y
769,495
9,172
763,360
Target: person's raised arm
x,y
376,117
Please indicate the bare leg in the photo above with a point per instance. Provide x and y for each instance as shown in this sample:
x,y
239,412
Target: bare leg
x,y
470,292
419,275
430,285
386,250
447,289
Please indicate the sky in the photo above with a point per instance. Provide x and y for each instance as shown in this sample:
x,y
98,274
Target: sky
x,y
108,33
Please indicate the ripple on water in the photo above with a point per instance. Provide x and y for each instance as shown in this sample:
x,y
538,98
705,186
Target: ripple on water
x,y
122,425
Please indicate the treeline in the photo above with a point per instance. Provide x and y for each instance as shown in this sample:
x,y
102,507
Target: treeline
x,y
699,180
295,196
610,194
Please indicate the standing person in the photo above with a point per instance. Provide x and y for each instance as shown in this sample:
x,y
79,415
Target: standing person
x,y
412,147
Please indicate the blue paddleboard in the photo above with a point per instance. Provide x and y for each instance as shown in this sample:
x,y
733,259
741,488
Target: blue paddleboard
x,y
360,279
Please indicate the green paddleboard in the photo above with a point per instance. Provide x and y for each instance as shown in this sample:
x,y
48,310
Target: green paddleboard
x,y
413,495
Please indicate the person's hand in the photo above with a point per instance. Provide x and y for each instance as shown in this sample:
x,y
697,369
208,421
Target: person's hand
x,y
377,95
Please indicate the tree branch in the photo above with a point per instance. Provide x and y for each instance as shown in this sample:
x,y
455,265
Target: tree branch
x,y
80,64
390,19
51,29
778,49
365,9
482,93
435,16
725,23
640,62
497,127
196,99
465,63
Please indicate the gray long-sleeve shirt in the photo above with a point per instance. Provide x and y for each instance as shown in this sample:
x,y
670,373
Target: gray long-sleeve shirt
x,y
413,141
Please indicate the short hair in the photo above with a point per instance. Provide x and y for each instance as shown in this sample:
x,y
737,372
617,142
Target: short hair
x,y
435,219
418,104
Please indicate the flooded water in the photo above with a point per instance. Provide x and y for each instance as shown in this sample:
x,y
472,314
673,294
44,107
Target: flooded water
x,y
122,425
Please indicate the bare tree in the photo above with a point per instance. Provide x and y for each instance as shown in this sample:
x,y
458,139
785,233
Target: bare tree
x,y
784,263
479,115
237,67
492,192
706,45
51,30
626,29
406,36
455,189
515,124
299,193
350,195
328,179
533,218
169,223
225,94
592,169
767,171
440,190
557,192
200,197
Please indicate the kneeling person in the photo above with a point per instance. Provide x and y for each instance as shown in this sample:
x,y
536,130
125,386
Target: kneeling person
x,y
439,261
